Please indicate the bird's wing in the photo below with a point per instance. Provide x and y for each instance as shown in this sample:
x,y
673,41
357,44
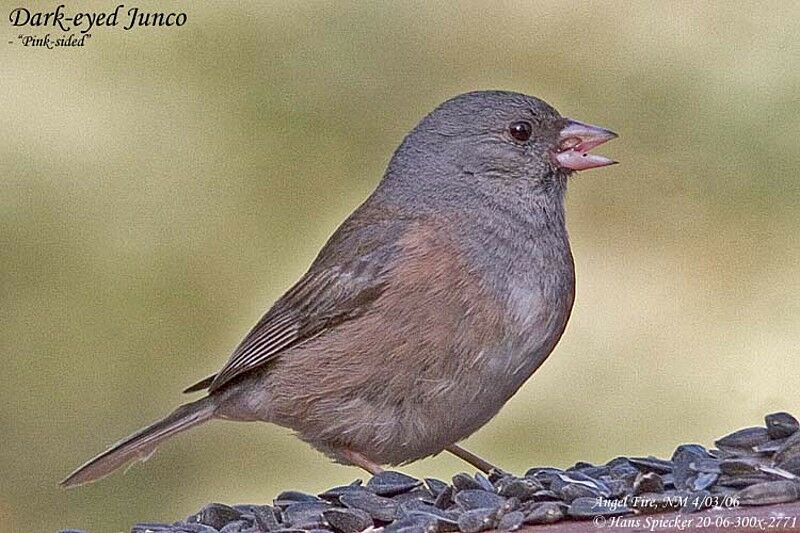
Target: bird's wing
x,y
318,302
346,278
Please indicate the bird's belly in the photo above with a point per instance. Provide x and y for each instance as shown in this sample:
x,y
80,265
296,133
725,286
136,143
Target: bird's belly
x,y
422,388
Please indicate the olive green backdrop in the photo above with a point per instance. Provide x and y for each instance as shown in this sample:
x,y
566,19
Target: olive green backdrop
x,y
160,188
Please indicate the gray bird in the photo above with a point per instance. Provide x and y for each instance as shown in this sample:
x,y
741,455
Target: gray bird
x,y
428,307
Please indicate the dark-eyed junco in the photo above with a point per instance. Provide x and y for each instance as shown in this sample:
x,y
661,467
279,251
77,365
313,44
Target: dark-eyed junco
x,y
429,306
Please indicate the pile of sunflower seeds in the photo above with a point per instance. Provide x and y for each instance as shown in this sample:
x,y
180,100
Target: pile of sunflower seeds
x,y
752,466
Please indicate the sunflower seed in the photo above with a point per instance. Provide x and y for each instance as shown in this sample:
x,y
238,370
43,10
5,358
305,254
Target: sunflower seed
x,y
649,482
416,523
702,481
682,460
390,483
237,526
137,528
738,466
445,498
522,488
464,481
777,472
266,518
418,494
476,520
769,493
771,446
780,425
444,523
543,513
484,483
744,438
511,521
290,497
378,507
545,476
348,520
216,515
305,515
435,486
652,464
790,448
333,494
478,499
791,464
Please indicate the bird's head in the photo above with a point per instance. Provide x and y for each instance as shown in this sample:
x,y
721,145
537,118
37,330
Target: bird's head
x,y
503,135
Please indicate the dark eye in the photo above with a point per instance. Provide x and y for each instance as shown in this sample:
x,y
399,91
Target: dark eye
x,y
521,130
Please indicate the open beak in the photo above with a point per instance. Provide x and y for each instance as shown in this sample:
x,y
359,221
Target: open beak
x,y
574,143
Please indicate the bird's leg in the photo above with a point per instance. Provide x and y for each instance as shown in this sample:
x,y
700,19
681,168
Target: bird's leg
x,y
362,462
481,464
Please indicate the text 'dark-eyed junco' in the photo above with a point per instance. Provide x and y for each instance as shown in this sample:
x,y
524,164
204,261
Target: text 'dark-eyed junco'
x,y
428,307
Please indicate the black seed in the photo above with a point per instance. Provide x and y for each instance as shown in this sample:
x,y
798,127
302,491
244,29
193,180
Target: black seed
x,y
478,499
143,527
418,494
216,515
445,498
378,507
444,523
415,523
305,515
781,425
573,491
266,518
484,483
771,446
682,459
522,488
435,486
702,481
789,448
333,494
545,476
744,438
791,464
649,482
652,464
196,528
237,526
544,513
465,482
290,497
544,496
511,521
348,520
390,483
769,493
477,520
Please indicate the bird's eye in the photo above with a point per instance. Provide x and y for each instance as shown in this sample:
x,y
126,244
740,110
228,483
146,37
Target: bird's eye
x,y
521,130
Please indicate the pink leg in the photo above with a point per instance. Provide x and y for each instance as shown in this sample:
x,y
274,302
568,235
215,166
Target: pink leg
x,y
481,464
362,462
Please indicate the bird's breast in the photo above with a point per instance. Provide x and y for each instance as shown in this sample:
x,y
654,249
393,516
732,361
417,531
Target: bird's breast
x,y
535,292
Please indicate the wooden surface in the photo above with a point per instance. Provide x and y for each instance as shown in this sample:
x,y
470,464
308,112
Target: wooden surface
x,y
780,518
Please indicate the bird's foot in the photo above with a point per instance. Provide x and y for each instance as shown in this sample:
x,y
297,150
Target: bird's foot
x,y
481,464
362,462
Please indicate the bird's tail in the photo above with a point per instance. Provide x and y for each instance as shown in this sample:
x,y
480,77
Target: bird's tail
x,y
143,443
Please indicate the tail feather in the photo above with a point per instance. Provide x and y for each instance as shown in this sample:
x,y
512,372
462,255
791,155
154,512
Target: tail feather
x,y
143,443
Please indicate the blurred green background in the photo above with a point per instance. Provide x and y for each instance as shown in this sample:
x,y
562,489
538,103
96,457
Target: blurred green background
x,y
160,188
